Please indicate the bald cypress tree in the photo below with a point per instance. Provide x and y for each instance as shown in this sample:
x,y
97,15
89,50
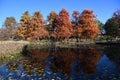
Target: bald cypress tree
x,y
37,29
63,28
22,31
88,24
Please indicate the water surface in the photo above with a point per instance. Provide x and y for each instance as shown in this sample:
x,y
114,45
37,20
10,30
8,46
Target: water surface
x,y
81,63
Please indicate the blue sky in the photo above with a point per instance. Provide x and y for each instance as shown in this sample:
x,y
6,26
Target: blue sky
x,y
102,8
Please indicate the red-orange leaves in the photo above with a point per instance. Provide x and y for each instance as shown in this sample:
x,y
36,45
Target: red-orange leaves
x,y
37,29
63,26
22,31
88,24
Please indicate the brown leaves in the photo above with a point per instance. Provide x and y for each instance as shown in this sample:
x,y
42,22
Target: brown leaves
x,y
22,31
9,28
89,26
37,29
32,28
59,26
63,25
51,18
84,24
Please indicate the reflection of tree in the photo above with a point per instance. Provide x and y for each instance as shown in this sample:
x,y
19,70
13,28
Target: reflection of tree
x,y
38,55
36,61
88,58
59,60
113,53
29,66
13,65
63,60
66,58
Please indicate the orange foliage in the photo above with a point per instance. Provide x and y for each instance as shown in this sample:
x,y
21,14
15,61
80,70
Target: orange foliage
x,y
88,24
51,19
75,22
22,31
37,29
63,26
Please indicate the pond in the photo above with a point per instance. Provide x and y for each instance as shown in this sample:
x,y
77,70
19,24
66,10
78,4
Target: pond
x,y
72,63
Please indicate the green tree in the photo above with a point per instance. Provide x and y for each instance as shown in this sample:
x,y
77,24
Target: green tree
x,y
100,25
116,15
22,31
111,27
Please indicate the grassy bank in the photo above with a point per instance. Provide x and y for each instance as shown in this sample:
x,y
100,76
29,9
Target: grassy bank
x,y
10,49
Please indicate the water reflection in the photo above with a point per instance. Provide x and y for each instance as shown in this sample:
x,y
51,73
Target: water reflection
x,y
36,61
113,53
61,64
83,59
13,65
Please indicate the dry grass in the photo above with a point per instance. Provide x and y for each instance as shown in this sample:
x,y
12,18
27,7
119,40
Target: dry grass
x,y
9,42
10,48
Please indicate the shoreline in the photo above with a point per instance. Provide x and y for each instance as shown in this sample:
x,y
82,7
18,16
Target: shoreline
x,y
10,49
108,42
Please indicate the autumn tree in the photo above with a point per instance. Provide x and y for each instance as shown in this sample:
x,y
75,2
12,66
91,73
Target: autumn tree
x,y
22,31
88,24
75,23
2,34
36,28
63,25
9,28
52,20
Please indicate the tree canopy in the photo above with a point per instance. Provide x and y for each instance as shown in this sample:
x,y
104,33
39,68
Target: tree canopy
x,y
63,25
36,27
9,28
82,25
112,26
88,24
51,18
22,31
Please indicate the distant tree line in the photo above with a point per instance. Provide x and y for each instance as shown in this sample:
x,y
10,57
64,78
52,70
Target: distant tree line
x,y
82,25
112,26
